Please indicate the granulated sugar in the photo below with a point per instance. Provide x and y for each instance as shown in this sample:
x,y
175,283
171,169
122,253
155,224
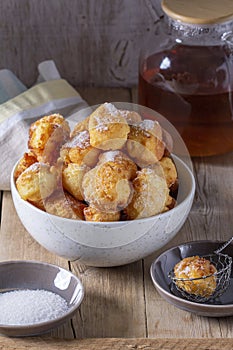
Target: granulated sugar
x,y
22,307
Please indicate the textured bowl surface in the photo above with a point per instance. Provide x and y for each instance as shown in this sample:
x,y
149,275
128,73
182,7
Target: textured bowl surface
x,y
107,244
21,275
160,268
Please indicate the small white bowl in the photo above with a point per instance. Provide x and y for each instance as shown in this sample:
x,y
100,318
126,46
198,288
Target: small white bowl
x,y
112,243
35,275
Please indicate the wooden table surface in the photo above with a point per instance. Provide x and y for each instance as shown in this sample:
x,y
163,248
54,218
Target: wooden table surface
x,y
121,308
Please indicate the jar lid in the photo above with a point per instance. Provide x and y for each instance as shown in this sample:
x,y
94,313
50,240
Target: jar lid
x,y
199,11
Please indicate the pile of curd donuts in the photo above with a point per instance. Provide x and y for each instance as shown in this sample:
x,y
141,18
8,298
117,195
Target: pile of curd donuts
x,y
112,166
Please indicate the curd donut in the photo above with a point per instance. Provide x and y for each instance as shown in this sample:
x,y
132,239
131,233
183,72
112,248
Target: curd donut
x,y
79,150
72,176
24,163
63,204
118,159
149,197
170,203
108,128
46,136
168,142
145,143
196,267
93,214
107,188
37,182
169,169
80,126
131,117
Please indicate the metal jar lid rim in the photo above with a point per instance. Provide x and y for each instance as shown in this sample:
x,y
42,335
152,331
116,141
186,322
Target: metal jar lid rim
x,y
199,11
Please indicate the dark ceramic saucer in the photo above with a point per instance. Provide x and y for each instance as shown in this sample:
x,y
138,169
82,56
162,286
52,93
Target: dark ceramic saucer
x,y
220,307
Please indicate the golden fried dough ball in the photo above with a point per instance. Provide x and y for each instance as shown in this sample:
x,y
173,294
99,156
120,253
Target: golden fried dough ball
x,y
63,204
46,136
27,160
80,126
120,160
93,214
174,188
145,143
36,182
108,128
196,267
168,142
72,177
170,203
106,187
153,127
160,171
132,117
149,197
169,169
157,167
79,150
39,204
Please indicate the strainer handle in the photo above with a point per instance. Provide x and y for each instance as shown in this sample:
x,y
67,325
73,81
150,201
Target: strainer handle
x,y
217,251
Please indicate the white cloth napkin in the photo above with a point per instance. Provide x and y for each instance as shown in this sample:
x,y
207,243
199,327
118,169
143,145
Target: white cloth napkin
x,y
19,107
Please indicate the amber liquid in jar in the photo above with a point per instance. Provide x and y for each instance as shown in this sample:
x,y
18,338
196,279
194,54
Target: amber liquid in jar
x,y
192,88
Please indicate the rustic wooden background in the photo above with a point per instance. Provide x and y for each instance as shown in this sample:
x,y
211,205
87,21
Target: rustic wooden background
x,y
93,42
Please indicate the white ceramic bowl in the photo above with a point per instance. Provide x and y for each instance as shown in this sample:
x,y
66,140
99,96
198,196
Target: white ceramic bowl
x,y
113,243
107,244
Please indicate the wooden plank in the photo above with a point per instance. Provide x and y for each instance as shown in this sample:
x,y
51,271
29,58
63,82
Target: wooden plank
x,y
214,196
1,196
114,344
114,302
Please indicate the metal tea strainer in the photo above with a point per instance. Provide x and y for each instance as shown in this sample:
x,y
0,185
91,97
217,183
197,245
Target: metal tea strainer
x,y
207,287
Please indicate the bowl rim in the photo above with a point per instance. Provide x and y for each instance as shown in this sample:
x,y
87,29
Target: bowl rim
x,y
66,316
112,223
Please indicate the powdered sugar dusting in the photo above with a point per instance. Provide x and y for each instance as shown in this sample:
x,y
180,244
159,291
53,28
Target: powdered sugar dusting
x,y
148,171
110,115
111,108
147,124
101,124
186,270
124,112
81,140
151,127
33,167
110,156
131,117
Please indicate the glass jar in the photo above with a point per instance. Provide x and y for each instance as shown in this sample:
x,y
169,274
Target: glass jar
x,y
186,73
